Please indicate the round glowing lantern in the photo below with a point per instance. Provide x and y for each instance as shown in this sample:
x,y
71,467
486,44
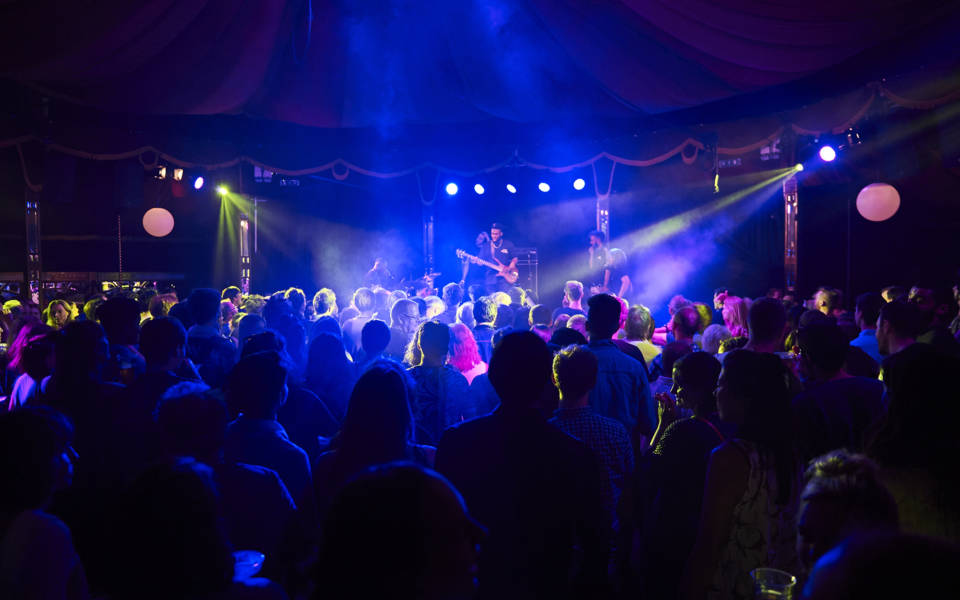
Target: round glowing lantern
x,y
878,202
158,222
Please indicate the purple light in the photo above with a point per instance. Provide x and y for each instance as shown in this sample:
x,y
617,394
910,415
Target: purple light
x,y
198,183
827,153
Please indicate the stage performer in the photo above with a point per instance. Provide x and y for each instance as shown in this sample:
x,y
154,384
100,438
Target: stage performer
x,y
496,249
599,261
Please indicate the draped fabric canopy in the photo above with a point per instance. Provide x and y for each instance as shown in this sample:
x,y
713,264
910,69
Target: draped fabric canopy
x,y
369,73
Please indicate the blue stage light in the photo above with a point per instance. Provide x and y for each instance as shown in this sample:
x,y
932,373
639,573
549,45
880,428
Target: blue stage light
x,y
544,186
452,189
511,188
479,189
827,153
579,183
198,183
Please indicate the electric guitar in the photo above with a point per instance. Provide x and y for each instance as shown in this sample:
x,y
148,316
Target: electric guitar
x,y
508,272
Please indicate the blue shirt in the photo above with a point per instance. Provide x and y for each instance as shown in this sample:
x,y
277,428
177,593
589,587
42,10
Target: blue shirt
x,y
867,341
622,391
265,443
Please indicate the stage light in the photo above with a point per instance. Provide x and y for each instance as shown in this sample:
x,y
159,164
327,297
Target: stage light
x,y
178,174
579,183
799,167
160,173
223,190
827,153
511,188
544,186
198,183
479,189
452,189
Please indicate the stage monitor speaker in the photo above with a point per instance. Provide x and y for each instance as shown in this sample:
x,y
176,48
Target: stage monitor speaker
x,y
528,265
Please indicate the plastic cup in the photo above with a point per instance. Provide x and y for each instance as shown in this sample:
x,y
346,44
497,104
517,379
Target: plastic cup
x,y
247,563
772,584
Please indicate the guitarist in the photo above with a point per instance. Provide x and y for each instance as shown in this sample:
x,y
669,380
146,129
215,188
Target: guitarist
x,y
496,249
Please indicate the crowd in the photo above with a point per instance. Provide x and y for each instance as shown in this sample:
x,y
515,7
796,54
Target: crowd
x,y
474,444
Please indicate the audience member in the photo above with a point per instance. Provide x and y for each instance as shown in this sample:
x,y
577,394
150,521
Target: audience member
x,y
622,391
534,487
666,360
32,359
59,314
750,496
713,336
440,390
213,354
404,320
330,374
578,323
937,309
572,300
639,331
452,296
829,301
485,314
374,340
464,355
120,319
866,313
233,295
465,315
684,327
734,312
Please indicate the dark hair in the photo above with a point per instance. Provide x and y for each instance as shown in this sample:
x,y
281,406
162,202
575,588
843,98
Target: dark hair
x,y
597,234
296,298
869,305
192,421
324,300
160,338
575,371
824,345
520,369
603,316
33,357
181,312
327,324
434,339
564,336
672,352
256,383
230,292
485,309
364,299
204,305
540,315
379,419
904,318
733,343
374,337
686,322
761,380
120,319
766,319
77,350
30,440
171,535
700,371
452,294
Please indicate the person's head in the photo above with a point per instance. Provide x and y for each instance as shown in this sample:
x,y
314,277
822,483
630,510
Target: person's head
x,y
867,310
596,238
405,315
673,352
409,522
695,376
496,232
250,324
170,533
232,294
823,351
517,295
435,307
192,422
465,315
828,300
713,336
374,337
382,301
574,375
90,307
573,292
364,300
753,393
475,291
464,354
843,496
379,414
936,304
733,343
163,343
603,316
81,351
899,324
59,314
36,458
228,310
325,303
27,332
564,336
767,322
505,317
540,315
485,310
685,323
578,323
326,360
434,340
706,316
735,315
893,292
676,303
181,312
120,319
452,294
520,369
420,288
639,325
257,385
297,300
326,324
205,306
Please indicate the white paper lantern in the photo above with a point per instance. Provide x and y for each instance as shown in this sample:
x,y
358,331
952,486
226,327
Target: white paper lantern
x,y
878,202
158,222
